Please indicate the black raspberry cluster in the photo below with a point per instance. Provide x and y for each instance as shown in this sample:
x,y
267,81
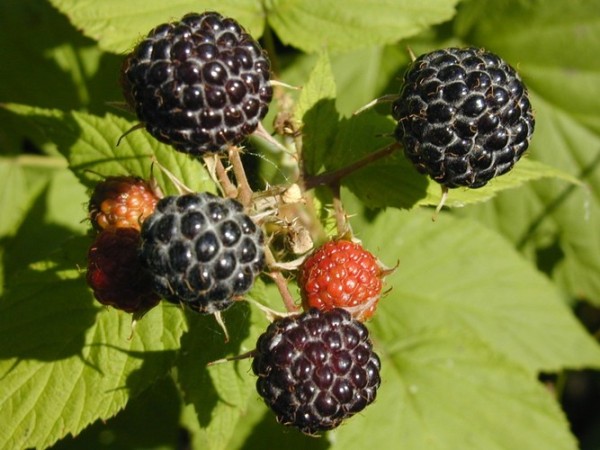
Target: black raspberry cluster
x,y
202,85
197,250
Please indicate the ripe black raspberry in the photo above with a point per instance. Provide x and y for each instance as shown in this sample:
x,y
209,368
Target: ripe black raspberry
x,y
115,273
202,251
316,369
121,202
199,84
463,116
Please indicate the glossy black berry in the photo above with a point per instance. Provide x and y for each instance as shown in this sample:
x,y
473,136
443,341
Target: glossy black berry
x,y
202,251
316,369
199,84
464,116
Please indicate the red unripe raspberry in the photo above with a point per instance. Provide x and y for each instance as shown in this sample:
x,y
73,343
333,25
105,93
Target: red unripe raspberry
x,y
341,274
115,274
121,202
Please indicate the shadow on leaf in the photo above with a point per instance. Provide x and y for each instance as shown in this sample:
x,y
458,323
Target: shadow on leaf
x,y
46,307
70,73
205,343
268,431
321,124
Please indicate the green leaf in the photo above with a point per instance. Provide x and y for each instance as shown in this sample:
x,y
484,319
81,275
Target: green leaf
x,y
260,429
316,111
364,74
312,26
524,171
118,25
24,177
134,428
454,274
48,208
61,354
219,394
90,145
448,391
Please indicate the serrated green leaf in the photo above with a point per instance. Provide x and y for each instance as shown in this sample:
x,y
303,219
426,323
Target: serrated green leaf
x,y
455,274
260,429
90,145
49,208
448,391
118,25
63,355
312,26
316,112
524,171
134,428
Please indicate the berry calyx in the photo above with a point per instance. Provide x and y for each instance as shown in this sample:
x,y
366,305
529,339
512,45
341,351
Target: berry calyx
x,y
121,202
115,274
464,116
316,369
203,251
200,84
341,274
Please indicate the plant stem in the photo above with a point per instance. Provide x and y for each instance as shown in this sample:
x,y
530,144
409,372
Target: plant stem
x,y
335,176
280,282
244,190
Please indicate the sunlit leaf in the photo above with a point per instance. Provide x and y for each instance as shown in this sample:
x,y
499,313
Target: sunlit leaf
x,y
118,25
353,23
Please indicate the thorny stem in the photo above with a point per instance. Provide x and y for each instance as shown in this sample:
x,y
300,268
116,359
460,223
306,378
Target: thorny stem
x,y
335,176
244,190
280,282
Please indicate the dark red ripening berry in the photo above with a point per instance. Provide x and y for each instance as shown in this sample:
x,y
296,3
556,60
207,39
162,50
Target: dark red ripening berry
x,y
115,274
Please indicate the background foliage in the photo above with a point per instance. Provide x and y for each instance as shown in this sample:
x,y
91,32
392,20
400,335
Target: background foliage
x,y
482,303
